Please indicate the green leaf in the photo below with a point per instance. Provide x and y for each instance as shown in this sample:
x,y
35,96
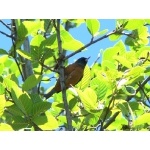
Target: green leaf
x,y
88,98
29,27
40,107
114,37
5,127
2,67
14,109
123,60
19,123
133,24
35,98
24,54
50,42
93,26
23,102
9,84
129,90
117,49
26,103
38,46
31,82
145,118
2,104
101,32
2,89
3,52
135,72
117,124
86,78
47,122
91,119
68,42
131,112
106,64
37,40
99,86
122,105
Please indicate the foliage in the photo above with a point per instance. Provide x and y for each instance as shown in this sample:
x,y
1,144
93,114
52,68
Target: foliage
x,y
112,95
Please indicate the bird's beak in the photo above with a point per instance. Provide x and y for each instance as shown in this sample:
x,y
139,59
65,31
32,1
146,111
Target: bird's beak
x,y
87,58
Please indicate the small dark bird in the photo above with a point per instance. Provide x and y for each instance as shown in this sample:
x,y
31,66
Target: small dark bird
x,y
73,74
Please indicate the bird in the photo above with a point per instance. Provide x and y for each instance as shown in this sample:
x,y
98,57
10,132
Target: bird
x,y
73,73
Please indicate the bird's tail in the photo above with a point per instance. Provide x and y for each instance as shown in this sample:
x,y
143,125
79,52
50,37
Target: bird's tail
x,y
49,94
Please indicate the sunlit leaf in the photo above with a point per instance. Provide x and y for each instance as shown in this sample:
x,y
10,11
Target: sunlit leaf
x,y
5,127
99,86
2,104
145,118
2,89
117,49
91,119
124,61
134,24
93,26
86,78
28,27
114,37
68,42
47,122
24,54
88,98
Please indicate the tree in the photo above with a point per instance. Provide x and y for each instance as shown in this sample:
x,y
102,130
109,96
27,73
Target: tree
x,y
112,95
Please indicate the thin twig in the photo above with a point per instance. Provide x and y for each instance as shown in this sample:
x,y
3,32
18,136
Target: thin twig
x,y
62,78
141,87
5,25
10,36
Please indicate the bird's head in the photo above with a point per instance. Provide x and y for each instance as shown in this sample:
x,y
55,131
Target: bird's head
x,y
82,61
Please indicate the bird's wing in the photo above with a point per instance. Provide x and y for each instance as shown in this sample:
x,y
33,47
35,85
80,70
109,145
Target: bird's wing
x,y
74,74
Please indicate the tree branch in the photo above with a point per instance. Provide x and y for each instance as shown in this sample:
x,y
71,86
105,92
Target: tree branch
x,y
111,120
138,89
89,44
141,87
62,77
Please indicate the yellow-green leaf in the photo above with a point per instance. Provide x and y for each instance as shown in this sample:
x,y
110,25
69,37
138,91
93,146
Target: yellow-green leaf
x,y
68,42
2,104
47,122
93,26
24,54
88,98
145,118
86,78
5,127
